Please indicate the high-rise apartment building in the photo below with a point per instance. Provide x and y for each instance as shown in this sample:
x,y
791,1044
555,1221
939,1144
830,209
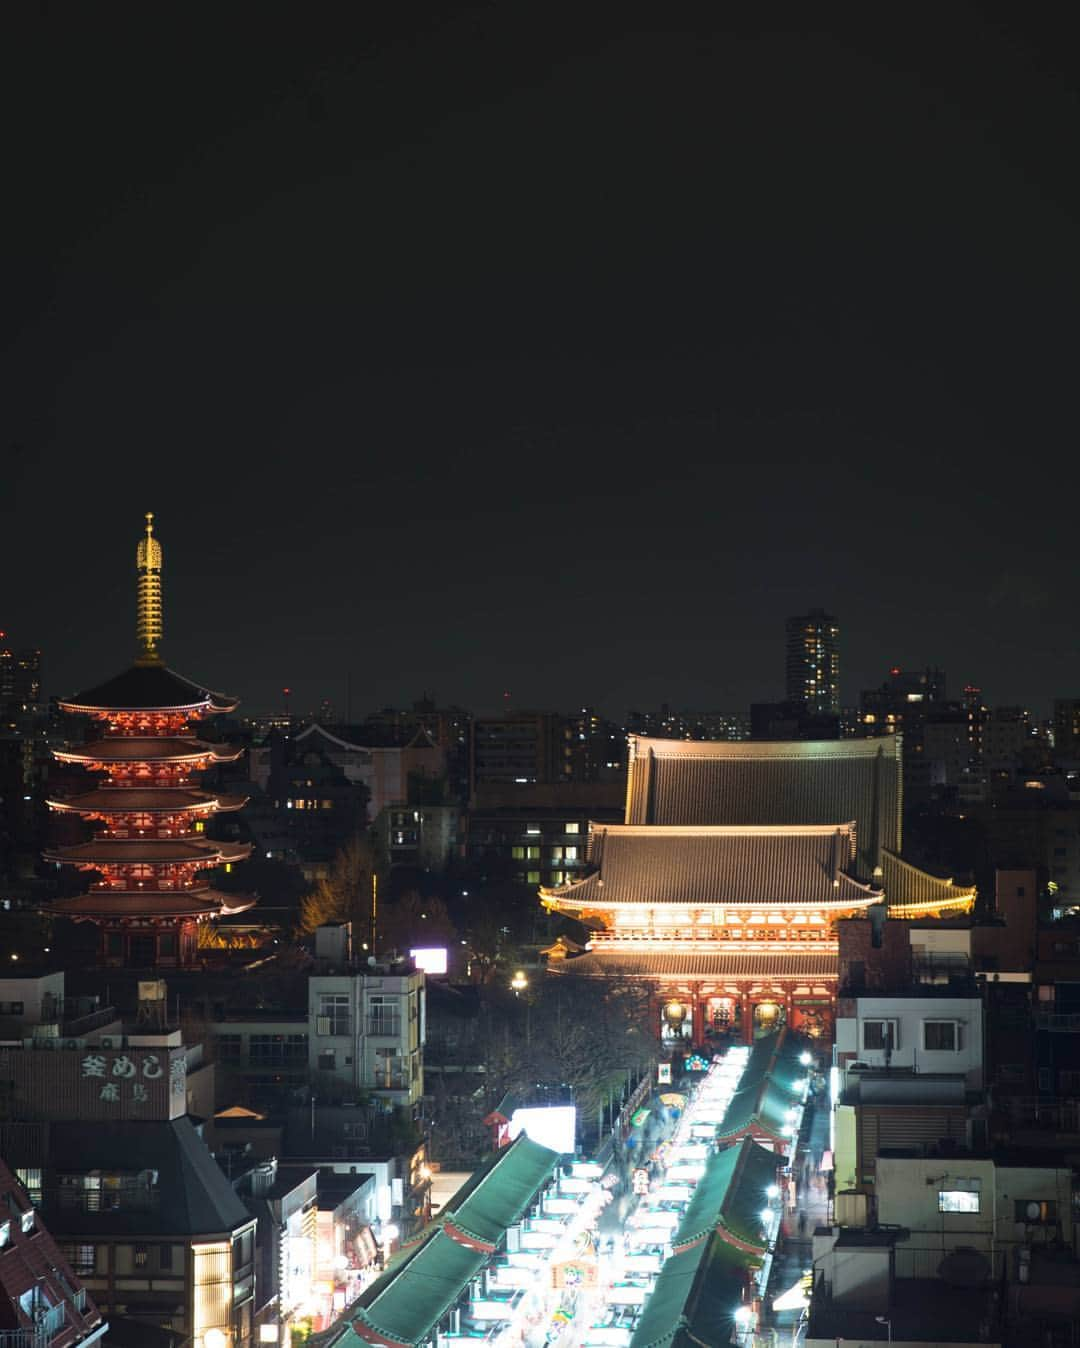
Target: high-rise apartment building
x,y
813,662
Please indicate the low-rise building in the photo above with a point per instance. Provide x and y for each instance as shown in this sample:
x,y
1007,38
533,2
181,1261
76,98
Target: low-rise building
x,y
43,1304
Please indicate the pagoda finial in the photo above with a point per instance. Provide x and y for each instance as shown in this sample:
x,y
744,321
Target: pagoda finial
x,y
148,621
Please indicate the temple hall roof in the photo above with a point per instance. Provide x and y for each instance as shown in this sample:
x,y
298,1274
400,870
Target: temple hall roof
x,y
148,749
910,890
149,687
729,865
791,782
617,960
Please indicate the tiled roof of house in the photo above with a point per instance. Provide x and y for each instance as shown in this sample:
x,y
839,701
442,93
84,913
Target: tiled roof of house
x,y
797,782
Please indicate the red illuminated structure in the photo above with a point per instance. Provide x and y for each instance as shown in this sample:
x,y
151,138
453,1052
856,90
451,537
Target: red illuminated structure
x,y
149,854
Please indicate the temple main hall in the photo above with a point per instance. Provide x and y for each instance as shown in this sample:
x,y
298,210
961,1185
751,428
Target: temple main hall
x,y
149,854
722,889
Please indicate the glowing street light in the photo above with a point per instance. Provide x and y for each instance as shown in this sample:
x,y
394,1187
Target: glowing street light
x,y
773,1191
806,1059
519,982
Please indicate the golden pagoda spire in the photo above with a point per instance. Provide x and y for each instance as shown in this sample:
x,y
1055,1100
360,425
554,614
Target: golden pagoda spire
x,y
148,622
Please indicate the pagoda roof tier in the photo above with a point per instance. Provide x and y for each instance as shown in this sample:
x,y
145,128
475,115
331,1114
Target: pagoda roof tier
x,y
148,749
710,964
789,782
155,851
642,866
147,800
150,687
911,892
108,903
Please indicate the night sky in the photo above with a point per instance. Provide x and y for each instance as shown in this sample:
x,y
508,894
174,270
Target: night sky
x,y
518,348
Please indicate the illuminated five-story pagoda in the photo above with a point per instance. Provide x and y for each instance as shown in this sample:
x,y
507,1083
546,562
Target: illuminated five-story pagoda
x,y
150,853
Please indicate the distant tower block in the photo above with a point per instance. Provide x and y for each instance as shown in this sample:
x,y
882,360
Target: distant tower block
x,y
813,662
150,855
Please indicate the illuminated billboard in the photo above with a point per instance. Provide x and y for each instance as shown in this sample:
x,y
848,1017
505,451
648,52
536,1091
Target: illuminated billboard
x,y
553,1126
431,959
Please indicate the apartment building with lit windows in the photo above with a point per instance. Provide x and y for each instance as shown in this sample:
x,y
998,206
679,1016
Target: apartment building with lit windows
x,y
813,662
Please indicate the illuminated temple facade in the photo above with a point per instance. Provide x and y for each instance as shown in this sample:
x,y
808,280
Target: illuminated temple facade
x,y
149,854
722,889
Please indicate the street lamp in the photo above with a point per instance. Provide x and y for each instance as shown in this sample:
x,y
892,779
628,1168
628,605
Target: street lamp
x,y
806,1059
744,1318
519,982
884,1320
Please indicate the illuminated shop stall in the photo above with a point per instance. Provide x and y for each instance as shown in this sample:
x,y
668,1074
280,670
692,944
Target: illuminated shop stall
x,y
150,852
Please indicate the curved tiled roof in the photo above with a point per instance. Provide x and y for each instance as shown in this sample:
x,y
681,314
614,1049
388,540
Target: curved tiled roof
x,y
157,851
906,886
795,782
149,688
148,749
731,865
150,903
617,961
152,800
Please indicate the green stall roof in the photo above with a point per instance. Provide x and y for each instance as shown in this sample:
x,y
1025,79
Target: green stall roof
x,y
694,1299
426,1278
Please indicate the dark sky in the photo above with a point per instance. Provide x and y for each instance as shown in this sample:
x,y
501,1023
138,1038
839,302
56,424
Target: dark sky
x,y
543,350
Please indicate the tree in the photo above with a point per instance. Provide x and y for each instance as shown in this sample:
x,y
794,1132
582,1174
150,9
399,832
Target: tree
x,y
344,895
412,922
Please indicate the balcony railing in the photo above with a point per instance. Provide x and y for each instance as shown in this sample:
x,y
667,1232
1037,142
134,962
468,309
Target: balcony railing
x,y
1048,1112
46,1328
1067,1021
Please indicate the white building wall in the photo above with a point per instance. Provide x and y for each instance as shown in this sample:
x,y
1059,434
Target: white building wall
x,y
909,1193
909,1018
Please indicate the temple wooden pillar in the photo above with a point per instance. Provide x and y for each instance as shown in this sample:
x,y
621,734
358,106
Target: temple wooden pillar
x,y
747,1015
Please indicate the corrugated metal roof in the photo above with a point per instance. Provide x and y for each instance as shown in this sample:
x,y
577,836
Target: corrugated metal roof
x,y
620,962
796,782
725,865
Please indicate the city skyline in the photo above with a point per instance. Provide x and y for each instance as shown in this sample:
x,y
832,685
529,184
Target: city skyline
x,y
465,407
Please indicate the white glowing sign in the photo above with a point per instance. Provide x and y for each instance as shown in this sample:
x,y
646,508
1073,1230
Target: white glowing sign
x,y
553,1126
430,959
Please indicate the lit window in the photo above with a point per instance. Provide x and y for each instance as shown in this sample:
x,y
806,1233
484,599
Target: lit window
x,y
958,1200
532,854
573,828
570,853
517,853
5,1234
532,877
27,1221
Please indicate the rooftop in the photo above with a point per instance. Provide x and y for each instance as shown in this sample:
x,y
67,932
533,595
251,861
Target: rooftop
x,y
784,782
149,687
793,864
921,1309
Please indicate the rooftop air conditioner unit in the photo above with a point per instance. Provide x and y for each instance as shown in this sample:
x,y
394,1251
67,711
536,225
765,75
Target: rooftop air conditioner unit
x,y
322,1024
